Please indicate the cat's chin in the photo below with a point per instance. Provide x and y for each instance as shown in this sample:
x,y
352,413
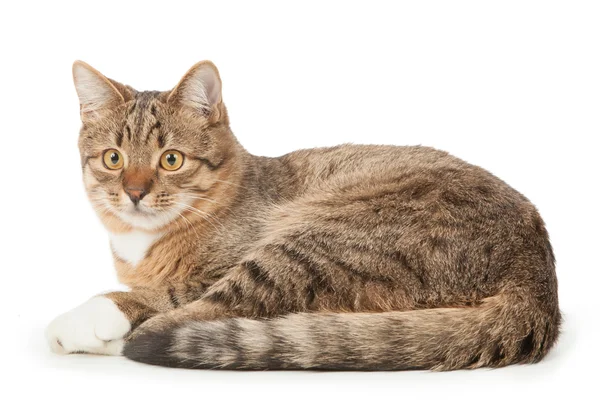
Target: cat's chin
x,y
146,219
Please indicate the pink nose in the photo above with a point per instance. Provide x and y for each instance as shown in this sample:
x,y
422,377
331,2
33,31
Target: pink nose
x,y
136,194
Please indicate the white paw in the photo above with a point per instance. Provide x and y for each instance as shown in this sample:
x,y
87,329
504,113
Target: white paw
x,y
97,326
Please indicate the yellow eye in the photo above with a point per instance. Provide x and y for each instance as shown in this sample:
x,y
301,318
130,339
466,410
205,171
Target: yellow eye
x,y
171,160
113,159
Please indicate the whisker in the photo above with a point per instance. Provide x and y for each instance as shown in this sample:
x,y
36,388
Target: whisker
x,y
232,183
198,197
190,224
201,214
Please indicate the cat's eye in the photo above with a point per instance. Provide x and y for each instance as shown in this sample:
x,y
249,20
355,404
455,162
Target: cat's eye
x,y
113,159
171,160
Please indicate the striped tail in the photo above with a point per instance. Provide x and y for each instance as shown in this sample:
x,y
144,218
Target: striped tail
x,y
502,330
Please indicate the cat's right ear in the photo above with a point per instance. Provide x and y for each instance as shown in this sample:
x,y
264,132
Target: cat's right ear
x,y
95,91
199,90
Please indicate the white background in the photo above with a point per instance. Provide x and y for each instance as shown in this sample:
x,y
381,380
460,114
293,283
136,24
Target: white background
x,y
513,86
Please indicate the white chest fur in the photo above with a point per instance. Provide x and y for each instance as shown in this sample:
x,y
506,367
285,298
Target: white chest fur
x,y
133,246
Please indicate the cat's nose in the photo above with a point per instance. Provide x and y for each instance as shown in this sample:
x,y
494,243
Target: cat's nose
x,y
135,194
137,183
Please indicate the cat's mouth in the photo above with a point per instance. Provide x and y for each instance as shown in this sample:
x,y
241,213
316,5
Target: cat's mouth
x,y
140,210
145,217
147,214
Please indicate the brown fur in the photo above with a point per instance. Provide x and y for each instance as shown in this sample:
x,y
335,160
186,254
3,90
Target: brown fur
x,y
351,257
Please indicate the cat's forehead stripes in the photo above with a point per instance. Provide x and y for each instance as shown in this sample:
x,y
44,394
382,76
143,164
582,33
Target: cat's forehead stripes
x,y
143,123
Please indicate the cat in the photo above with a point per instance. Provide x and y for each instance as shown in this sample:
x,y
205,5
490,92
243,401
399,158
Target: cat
x,y
352,257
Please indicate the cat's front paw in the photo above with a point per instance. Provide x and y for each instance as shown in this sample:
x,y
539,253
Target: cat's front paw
x,y
97,326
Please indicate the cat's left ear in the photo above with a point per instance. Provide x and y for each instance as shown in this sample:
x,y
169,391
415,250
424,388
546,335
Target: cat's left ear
x,y
199,89
95,91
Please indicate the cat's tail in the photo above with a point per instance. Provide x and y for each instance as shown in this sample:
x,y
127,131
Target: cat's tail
x,y
508,328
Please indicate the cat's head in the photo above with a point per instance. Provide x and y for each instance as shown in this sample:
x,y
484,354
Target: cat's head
x,y
153,158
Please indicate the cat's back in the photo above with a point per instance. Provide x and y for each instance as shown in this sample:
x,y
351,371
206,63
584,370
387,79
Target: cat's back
x,y
413,171
322,163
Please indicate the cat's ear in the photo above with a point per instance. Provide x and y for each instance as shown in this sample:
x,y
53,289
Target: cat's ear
x,y
95,91
199,89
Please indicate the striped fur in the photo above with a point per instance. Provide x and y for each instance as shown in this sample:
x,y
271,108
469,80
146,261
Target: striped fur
x,y
346,258
438,339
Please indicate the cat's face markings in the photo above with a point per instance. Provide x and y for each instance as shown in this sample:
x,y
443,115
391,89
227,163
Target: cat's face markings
x,y
150,157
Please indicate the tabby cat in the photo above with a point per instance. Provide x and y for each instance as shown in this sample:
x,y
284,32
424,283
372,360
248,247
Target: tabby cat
x,y
342,258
